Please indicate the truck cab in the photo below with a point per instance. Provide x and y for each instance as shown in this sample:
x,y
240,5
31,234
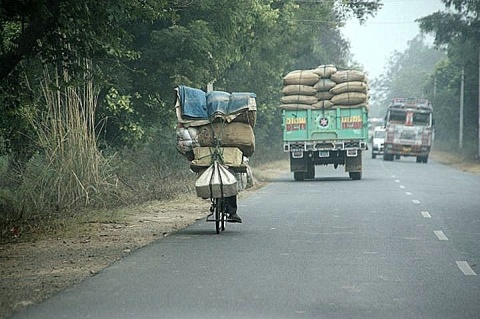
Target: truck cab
x,y
409,129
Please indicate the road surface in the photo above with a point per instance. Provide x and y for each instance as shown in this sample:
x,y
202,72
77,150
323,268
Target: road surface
x,y
403,242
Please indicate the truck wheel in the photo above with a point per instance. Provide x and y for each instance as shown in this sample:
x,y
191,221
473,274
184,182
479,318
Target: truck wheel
x,y
355,175
310,172
299,176
422,159
388,157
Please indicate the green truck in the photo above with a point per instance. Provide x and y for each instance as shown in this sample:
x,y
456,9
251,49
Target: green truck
x,y
325,136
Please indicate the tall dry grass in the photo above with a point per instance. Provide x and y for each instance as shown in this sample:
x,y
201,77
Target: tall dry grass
x,y
68,171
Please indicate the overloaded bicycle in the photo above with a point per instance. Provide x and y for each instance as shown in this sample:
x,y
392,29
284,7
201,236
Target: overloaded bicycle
x,y
219,180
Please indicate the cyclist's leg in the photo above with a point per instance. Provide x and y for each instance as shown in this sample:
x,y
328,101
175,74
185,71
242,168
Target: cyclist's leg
x,y
232,209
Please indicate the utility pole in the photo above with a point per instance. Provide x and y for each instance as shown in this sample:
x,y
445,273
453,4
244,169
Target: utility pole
x,y
478,137
462,98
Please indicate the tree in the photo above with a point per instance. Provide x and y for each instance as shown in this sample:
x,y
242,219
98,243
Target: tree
x,y
458,31
406,75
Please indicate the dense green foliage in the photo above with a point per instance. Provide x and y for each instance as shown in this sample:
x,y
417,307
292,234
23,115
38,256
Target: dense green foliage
x,y
407,75
458,32
137,51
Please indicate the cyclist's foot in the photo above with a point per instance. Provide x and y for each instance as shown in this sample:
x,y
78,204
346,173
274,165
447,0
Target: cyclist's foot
x,y
234,218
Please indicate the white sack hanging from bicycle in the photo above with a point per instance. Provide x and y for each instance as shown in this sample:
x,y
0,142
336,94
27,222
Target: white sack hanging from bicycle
x,y
216,182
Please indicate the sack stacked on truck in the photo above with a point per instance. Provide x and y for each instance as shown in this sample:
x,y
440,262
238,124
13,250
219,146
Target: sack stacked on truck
x,y
324,87
298,90
205,118
351,89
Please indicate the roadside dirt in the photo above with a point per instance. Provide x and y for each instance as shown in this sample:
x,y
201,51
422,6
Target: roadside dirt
x,y
36,267
32,269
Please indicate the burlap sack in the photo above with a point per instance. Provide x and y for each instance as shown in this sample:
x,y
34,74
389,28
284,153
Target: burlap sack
x,y
305,77
299,99
325,104
351,86
233,134
325,71
324,95
349,98
298,89
323,85
348,76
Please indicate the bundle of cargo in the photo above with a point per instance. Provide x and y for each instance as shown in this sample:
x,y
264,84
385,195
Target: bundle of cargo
x,y
299,91
351,89
215,124
324,87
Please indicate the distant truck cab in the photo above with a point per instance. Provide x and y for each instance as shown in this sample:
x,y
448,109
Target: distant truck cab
x,y
378,141
409,129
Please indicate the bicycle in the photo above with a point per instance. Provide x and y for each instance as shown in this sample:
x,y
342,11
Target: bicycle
x,y
218,210
217,183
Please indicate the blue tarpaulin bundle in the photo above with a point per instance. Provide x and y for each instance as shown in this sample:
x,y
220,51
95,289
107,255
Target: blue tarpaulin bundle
x,y
197,105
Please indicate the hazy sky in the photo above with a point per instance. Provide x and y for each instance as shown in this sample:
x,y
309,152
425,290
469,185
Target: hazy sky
x,y
390,30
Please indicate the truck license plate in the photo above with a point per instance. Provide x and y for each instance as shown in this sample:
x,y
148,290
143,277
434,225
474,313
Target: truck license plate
x,y
324,154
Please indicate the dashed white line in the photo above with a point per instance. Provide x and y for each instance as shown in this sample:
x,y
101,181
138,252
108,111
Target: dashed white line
x,y
397,181
415,201
440,235
426,214
465,268
408,193
401,186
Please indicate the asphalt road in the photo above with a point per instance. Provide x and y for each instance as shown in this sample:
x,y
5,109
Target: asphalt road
x,y
403,242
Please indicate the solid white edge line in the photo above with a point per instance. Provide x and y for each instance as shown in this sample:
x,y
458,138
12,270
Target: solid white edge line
x,y
440,235
465,268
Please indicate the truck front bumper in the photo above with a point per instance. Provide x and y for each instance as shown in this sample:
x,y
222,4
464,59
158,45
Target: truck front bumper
x,y
407,150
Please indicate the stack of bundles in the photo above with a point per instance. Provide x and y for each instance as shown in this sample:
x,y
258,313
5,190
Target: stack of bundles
x,y
298,90
351,89
205,118
324,87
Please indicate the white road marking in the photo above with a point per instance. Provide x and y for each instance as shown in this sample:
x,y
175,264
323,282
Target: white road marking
x,y
401,186
393,176
465,268
397,181
408,193
415,201
426,214
440,235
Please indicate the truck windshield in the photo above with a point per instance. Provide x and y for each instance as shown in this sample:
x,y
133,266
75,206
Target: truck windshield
x,y
421,119
397,117
400,117
379,134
